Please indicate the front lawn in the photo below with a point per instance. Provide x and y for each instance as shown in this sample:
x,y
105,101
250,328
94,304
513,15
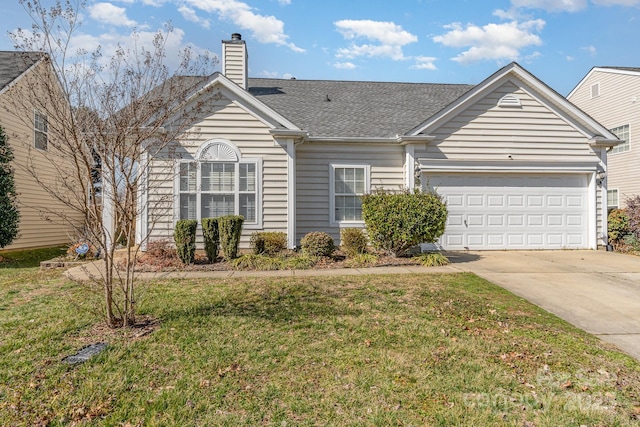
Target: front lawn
x,y
358,350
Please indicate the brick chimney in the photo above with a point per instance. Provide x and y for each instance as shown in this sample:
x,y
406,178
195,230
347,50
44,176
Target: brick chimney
x,y
234,60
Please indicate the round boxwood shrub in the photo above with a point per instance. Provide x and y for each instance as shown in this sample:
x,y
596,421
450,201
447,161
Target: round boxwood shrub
x,y
317,243
268,243
397,221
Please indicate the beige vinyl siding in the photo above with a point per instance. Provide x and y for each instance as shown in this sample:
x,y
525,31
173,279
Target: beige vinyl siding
x,y
312,178
532,132
37,229
232,123
617,105
235,62
485,131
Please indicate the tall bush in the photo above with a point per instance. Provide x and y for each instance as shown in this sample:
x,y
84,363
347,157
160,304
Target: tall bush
x,y
397,221
230,228
617,226
633,212
9,217
211,237
185,238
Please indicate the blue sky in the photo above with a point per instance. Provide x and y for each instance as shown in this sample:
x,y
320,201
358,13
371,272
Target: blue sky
x,y
435,41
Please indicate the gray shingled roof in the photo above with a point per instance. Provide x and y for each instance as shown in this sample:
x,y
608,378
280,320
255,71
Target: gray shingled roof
x,y
13,64
327,108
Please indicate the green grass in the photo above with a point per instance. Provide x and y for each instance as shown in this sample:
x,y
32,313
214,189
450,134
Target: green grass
x,y
435,350
29,257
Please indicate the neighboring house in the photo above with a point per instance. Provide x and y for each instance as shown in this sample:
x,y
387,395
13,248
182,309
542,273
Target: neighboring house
x,y
611,95
517,163
28,135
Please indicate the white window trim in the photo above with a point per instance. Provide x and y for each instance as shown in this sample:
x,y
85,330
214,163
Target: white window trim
x,y
617,205
36,130
628,141
332,196
176,189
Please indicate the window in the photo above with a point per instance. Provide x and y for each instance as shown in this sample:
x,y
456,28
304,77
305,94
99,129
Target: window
x,y
612,199
41,132
348,184
213,186
622,132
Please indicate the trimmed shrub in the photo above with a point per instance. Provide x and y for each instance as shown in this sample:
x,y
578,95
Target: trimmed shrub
x,y
617,226
317,243
185,238
211,238
230,228
353,241
268,243
397,221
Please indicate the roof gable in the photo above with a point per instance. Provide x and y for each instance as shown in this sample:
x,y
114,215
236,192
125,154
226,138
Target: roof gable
x,y
629,71
14,64
521,78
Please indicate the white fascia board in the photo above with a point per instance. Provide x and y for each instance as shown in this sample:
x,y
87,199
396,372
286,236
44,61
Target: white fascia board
x,y
514,166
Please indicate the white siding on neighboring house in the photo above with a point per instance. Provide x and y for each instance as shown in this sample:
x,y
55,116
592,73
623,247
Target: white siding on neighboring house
x,y
618,104
531,133
232,123
385,163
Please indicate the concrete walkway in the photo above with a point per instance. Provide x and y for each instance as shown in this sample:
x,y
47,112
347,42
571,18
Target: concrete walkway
x,y
594,290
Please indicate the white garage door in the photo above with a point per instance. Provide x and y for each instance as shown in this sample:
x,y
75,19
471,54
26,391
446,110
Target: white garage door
x,y
513,211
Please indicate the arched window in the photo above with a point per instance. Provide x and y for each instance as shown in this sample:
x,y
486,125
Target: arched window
x,y
219,182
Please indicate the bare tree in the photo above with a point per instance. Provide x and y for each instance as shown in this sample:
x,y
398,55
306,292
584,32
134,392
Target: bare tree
x,y
113,113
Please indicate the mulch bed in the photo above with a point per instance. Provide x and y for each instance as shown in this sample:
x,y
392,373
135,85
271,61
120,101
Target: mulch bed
x,y
149,263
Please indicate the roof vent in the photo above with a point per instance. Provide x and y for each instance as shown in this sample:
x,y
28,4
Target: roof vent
x,y
236,37
510,101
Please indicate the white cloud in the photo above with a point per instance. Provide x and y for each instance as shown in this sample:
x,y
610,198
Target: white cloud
x,y
617,2
266,29
424,63
190,15
110,14
569,5
344,65
110,42
388,37
591,50
284,2
552,5
492,41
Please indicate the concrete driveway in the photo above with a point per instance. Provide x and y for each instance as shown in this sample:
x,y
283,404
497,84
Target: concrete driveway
x,y
594,290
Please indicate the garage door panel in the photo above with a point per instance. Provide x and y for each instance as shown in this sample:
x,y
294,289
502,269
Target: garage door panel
x,y
535,220
513,211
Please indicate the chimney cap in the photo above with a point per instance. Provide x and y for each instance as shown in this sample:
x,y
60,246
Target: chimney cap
x,y
236,36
